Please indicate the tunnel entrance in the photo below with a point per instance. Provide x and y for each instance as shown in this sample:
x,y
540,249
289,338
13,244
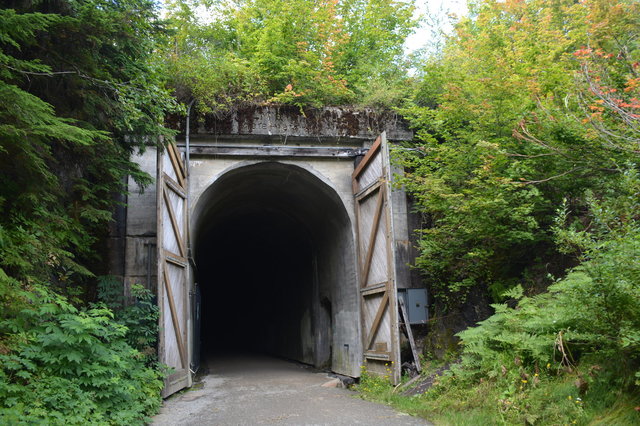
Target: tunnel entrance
x,y
275,265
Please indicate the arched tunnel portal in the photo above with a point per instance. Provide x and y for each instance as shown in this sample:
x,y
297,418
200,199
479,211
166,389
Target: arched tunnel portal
x,y
275,264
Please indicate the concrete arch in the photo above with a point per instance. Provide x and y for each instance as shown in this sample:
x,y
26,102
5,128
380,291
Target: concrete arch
x,y
275,258
203,197
209,185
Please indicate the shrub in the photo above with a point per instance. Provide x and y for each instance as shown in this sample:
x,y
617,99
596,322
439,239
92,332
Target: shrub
x,y
571,354
593,312
139,317
74,366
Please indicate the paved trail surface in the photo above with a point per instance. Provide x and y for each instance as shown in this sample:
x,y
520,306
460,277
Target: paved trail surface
x,y
243,390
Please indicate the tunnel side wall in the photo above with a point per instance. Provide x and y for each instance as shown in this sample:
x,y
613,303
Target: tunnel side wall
x,y
139,255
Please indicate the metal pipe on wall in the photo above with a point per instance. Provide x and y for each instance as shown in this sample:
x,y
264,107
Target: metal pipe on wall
x,y
194,362
187,149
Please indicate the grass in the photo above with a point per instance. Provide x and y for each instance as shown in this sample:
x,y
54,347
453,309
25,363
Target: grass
x,y
549,399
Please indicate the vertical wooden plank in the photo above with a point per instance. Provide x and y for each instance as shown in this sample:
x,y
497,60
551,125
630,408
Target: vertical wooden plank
x,y
373,328
159,255
176,161
366,160
391,262
372,239
174,223
174,317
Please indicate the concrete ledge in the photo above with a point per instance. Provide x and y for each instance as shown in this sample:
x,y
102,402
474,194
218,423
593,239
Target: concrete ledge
x,y
329,123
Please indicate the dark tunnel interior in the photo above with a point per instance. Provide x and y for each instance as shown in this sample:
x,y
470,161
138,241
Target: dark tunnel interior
x,y
255,272
273,254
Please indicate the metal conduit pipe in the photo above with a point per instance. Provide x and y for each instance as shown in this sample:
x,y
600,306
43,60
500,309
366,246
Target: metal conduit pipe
x,y
194,364
187,149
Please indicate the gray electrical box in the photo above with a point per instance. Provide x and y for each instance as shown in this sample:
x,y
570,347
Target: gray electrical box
x,y
415,300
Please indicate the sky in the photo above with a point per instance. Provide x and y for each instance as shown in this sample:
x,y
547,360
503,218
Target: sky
x,y
435,16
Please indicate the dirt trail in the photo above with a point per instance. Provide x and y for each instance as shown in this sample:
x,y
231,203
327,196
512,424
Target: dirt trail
x,y
254,390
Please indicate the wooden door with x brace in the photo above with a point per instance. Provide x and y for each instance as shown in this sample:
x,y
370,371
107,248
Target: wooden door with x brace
x,y
173,269
376,260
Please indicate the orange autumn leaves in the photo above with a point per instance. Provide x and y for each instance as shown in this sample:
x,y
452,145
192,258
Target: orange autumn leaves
x,y
625,101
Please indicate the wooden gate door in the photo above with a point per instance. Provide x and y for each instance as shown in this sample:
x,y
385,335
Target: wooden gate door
x,y
173,300
379,312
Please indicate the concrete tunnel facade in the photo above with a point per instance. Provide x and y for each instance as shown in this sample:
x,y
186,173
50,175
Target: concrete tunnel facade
x,y
272,233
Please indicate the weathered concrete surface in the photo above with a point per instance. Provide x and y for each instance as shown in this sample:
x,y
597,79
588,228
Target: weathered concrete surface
x,y
286,121
139,258
244,390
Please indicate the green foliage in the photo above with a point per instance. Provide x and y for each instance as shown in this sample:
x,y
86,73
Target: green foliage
x,y
466,176
609,75
305,53
526,176
479,224
372,60
81,92
372,384
507,132
73,366
139,317
564,354
30,198
67,126
547,399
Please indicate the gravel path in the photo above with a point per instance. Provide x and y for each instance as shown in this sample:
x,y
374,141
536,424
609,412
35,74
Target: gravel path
x,y
243,390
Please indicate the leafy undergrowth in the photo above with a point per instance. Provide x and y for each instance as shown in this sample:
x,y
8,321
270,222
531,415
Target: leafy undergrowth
x,y
65,365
